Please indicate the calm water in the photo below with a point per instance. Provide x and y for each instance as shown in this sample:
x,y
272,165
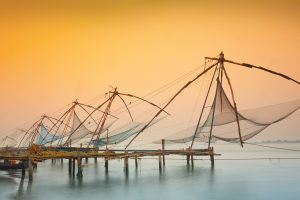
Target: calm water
x,y
229,179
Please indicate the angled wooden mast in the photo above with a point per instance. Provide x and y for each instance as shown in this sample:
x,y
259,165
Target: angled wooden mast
x,y
114,94
257,67
218,65
170,101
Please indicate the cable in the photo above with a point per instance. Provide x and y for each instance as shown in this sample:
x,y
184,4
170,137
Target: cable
x,y
272,147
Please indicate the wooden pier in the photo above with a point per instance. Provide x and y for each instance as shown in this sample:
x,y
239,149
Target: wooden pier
x,y
37,153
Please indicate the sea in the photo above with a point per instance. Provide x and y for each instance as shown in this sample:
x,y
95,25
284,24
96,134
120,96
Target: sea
x,y
250,173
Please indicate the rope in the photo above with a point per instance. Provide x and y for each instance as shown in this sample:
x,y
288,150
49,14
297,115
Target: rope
x,y
272,147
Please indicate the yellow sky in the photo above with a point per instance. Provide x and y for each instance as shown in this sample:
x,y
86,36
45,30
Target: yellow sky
x,y
52,53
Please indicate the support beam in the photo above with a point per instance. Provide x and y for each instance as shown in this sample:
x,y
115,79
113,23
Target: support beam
x,y
70,166
170,101
23,169
192,159
163,151
159,163
106,164
212,159
126,163
136,162
79,167
73,167
30,169
188,159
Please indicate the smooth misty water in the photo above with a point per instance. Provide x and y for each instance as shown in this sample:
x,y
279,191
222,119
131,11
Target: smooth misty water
x,y
229,179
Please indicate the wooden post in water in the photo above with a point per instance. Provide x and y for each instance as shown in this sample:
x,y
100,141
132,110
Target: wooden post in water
x,y
73,167
159,163
79,167
23,169
70,166
136,162
30,169
192,159
106,164
86,160
163,151
126,163
61,161
212,160
96,159
188,157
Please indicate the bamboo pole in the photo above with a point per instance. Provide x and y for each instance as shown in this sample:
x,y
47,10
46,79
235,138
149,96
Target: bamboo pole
x,y
203,107
163,151
235,106
79,167
170,101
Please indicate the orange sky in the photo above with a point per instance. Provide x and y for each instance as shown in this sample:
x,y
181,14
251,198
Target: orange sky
x,y
52,53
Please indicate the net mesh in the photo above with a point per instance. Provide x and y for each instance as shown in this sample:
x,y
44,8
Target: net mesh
x,y
45,136
8,141
121,134
223,121
80,131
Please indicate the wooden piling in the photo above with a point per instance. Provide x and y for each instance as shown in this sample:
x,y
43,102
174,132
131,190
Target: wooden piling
x,y
126,163
212,160
192,159
79,167
86,160
70,166
96,159
136,162
188,159
163,151
106,164
23,169
61,161
73,167
159,163
30,170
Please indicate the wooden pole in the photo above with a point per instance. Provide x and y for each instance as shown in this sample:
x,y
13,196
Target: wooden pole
x,y
213,117
106,164
136,162
23,169
96,159
192,159
170,101
73,166
188,158
30,169
70,166
235,106
203,107
163,151
212,160
126,163
159,162
79,167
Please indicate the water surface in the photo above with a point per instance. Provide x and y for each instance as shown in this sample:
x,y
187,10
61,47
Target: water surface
x,y
229,179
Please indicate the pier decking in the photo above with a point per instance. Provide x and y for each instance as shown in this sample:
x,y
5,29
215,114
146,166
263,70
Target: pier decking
x,y
39,153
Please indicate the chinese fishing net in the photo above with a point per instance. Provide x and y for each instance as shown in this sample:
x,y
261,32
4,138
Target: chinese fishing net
x,y
222,121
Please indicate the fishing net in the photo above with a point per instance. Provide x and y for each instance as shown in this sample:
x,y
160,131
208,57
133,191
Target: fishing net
x,y
123,133
222,121
45,136
8,141
80,131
